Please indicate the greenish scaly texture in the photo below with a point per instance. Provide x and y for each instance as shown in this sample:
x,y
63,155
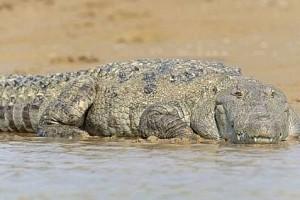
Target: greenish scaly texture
x,y
166,98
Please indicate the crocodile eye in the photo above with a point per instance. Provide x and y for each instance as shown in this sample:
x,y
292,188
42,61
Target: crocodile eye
x,y
238,94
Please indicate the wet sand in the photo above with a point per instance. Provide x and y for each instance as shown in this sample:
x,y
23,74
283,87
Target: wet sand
x,y
261,37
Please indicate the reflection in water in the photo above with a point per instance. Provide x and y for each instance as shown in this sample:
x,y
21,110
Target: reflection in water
x,y
41,169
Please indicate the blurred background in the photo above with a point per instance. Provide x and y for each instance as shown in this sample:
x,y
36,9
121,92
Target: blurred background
x,y
259,36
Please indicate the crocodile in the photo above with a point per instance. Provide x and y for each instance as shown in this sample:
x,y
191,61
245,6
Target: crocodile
x,y
164,98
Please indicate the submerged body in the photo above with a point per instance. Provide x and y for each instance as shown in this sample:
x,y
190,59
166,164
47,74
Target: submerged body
x,y
166,98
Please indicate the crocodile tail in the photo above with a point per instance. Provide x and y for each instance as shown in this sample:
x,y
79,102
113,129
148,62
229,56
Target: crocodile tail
x,y
17,112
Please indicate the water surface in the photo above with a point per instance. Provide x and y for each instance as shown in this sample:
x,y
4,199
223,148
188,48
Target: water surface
x,y
43,169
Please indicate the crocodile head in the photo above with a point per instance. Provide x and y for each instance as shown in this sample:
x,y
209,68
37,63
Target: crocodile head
x,y
252,112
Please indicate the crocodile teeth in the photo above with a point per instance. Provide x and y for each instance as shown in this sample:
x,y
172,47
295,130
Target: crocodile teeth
x,y
262,140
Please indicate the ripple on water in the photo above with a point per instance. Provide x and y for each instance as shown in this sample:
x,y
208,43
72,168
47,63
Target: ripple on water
x,y
38,169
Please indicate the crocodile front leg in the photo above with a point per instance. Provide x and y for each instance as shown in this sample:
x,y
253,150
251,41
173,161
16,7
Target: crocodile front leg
x,y
164,121
64,116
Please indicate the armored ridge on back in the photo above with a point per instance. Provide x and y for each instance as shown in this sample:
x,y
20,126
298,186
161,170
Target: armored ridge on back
x,y
166,98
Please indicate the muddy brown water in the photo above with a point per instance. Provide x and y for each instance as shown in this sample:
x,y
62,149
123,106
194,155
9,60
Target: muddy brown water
x,y
32,168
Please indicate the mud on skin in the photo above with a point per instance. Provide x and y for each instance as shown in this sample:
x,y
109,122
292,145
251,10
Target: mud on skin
x,y
164,98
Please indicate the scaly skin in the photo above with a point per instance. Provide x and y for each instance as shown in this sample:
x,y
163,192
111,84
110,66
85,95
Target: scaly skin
x,y
166,98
